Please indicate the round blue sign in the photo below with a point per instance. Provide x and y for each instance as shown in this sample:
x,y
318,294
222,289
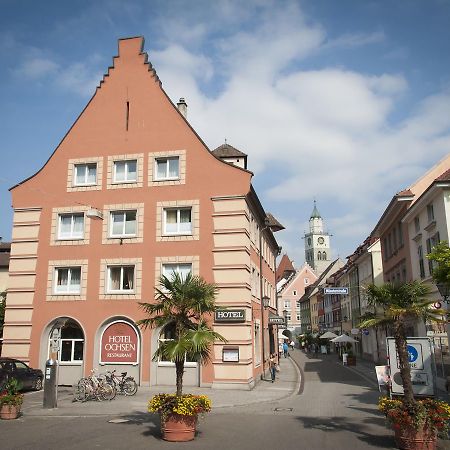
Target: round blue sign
x,y
413,354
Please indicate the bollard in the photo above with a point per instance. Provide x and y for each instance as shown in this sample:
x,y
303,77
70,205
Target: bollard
x,y
50,384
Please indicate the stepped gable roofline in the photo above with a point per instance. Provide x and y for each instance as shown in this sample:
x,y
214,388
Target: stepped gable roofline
x,y
227,151
126,45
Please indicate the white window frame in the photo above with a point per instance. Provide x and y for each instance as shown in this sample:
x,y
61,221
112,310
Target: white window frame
x,y
109,290
72,236
178,222
166,159
294,292
86,182
68,290
177,266
287,304
162,363
124,213
127,179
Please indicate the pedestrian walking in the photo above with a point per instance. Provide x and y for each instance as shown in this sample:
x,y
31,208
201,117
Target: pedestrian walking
x,y
285,349
292,344
272,366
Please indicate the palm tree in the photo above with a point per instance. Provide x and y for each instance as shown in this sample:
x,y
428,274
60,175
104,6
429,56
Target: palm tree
x,y
182,303
396,306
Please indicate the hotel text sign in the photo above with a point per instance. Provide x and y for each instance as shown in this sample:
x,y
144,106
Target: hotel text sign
x,y
230,315
119,344
276,320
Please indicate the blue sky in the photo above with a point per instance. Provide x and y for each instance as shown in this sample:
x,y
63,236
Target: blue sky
x,y
344,101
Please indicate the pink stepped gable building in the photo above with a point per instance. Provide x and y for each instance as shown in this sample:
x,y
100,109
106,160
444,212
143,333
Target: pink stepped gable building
x,y
135,193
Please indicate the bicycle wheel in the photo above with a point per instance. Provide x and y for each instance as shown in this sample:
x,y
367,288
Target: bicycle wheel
x,y
130,387
106,391
79,391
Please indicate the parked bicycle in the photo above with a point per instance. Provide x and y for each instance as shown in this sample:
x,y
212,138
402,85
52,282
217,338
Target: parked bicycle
x,y
93,388
122,384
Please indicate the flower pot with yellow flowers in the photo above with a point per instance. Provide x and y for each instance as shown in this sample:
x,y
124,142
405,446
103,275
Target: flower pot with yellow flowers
x,y
416,422
183,305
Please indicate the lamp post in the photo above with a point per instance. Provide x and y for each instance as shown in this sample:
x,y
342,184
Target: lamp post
x,y
265,301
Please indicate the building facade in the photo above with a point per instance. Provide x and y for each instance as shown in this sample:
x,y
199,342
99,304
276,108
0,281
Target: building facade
x,y
132,193
290,293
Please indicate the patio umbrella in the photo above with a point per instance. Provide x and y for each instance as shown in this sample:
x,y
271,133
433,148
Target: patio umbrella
x,y
328,335
343,338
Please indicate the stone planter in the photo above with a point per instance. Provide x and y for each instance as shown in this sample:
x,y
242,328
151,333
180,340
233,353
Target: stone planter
x,y
178,428
8,412
408,438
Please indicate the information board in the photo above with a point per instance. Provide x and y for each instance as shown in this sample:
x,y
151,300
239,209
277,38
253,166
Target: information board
x,y
421,363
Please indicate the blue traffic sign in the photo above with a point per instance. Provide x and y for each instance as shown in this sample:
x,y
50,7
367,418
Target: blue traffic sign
x,y
413,354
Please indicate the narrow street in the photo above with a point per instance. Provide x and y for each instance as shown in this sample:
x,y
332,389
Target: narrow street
x,y
336,409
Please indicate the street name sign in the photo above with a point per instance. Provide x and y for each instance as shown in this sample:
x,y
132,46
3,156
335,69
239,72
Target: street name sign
x,y
336,290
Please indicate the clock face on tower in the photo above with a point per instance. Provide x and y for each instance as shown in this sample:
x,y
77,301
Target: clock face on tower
x,y
320,240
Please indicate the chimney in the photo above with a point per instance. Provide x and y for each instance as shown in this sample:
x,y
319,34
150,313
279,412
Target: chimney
x,y
182,107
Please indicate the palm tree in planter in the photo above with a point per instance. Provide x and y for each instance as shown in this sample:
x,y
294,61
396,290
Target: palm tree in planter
x,y
396,306
183,304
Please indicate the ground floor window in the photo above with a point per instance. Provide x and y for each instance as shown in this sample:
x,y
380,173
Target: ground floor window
x,y
168,334
72,343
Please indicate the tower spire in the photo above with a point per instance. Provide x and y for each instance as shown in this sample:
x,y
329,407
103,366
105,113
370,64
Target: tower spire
x,y
315,213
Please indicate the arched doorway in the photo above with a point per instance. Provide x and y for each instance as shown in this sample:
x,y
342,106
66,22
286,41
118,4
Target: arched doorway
x,y
70,354
165,370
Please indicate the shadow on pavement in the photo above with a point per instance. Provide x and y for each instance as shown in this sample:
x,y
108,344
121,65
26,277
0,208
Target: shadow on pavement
x,y
339,424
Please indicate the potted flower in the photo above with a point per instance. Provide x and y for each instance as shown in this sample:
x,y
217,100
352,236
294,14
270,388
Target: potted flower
x,y
415,421
421,421
10,400
181,305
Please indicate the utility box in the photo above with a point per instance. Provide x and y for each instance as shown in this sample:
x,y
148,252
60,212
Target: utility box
x,y
50,384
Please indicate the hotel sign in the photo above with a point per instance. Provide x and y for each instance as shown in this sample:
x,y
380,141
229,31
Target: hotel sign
x,y
230,315
119,344
276,320
336,290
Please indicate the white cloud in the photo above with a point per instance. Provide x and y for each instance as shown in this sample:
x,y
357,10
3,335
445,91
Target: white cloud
x,y
356,40
37,68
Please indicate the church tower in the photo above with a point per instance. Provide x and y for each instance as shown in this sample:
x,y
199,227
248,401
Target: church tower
x,y
317,243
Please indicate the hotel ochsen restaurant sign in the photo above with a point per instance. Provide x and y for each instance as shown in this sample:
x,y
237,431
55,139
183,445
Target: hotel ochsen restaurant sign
x,y
119,344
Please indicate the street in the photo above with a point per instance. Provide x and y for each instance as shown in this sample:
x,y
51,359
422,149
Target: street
x,y
335,409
